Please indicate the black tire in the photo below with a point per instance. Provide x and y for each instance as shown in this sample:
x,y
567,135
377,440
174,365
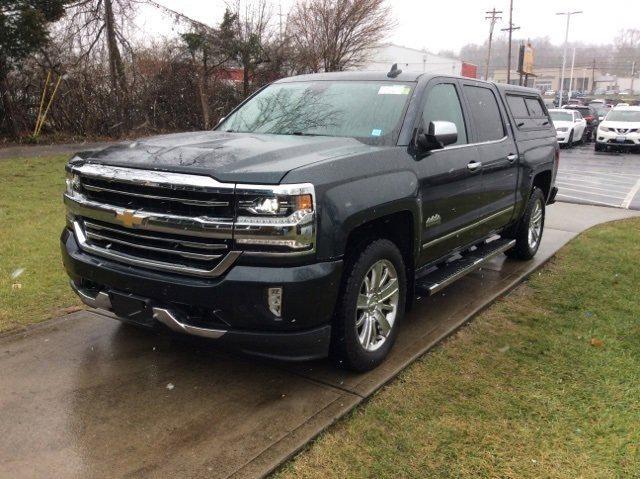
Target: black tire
x,y
346,349
598,147
570,141
523,250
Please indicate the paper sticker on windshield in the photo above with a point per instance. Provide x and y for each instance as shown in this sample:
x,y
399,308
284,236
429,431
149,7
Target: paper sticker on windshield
x,y
376,132
394,90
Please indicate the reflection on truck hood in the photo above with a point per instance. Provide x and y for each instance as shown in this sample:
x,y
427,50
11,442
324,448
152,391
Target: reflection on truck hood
x,y
228,157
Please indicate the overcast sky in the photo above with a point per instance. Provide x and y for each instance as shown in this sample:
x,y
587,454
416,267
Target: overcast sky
x,y
450,24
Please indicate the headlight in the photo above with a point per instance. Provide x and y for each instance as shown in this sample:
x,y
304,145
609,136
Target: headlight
x,y
72,183
562,128
604,128
276,219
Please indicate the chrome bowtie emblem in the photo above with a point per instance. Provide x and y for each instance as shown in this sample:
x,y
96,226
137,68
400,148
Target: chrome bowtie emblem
x,y
128,218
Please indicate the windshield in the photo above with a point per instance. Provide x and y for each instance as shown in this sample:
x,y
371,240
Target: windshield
x,y
623,115
561,116
359,109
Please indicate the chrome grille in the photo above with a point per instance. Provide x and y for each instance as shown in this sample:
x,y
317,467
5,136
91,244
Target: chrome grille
x,y
164,221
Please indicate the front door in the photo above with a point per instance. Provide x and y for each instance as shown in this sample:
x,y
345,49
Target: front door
x,y
450,180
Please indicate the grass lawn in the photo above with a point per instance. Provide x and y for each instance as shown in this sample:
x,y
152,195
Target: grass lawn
x,y
545,383
31,220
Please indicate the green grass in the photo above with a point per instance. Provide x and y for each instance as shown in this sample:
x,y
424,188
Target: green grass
x,y
545,383
31,220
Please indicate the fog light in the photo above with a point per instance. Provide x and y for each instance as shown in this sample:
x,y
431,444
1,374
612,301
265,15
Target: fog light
x,y
274,298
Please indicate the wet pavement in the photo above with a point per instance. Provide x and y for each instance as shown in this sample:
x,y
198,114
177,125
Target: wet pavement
x,y
608,178
85,396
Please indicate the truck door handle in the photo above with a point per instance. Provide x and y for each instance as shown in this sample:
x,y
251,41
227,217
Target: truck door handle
x,y
512,158
474,166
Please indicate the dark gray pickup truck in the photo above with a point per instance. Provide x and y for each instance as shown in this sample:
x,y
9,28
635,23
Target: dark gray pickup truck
x,y
305,223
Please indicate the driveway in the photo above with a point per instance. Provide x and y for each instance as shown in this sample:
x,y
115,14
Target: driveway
x,y
84,396
603,178
37,151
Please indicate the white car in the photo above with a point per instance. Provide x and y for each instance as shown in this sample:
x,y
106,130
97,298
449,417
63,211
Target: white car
x,y
620,128
570,126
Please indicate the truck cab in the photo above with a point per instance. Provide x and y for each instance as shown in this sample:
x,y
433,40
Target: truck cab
x,y
304,224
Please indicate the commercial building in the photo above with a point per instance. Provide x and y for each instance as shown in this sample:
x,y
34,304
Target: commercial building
x,y
549,78
411,59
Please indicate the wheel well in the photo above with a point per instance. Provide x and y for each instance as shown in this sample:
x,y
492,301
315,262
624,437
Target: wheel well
x,y
396,227
543,181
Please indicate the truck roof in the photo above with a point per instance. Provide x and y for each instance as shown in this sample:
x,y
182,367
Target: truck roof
x,y
408,76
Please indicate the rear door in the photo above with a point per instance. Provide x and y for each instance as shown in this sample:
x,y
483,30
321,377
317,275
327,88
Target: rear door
x,y
450,183
498,154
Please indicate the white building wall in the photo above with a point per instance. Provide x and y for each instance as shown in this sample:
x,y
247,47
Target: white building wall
x,y
410,59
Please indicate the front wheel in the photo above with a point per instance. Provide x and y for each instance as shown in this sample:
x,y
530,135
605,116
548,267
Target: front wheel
x,y
528,233
570,141
370,306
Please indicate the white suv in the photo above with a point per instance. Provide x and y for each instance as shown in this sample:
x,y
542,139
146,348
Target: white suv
x,y
620,128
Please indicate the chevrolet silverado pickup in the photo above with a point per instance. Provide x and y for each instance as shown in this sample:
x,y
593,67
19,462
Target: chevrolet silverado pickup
x,y
308,220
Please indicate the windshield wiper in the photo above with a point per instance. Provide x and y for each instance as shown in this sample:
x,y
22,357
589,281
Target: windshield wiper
x,y
302,133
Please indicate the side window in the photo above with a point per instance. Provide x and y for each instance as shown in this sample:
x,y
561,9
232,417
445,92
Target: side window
x,y
443,104
486,113
578,115
536,110
517,106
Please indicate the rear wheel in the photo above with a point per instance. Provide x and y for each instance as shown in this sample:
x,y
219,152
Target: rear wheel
x,y
370,307
528,233
599,147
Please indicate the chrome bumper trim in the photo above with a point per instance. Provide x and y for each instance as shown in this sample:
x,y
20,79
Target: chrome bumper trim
x,y
165,316
99,301
170,320
219,269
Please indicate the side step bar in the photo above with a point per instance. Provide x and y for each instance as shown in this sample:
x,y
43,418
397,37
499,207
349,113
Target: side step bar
x,y
454,270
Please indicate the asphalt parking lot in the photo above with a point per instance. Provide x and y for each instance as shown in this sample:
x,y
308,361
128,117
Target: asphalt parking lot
x,y
603,178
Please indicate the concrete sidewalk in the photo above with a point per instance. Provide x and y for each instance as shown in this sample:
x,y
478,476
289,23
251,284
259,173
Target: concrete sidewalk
x,y
85,396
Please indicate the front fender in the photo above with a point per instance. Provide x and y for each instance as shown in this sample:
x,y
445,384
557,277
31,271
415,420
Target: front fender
x,y
347,206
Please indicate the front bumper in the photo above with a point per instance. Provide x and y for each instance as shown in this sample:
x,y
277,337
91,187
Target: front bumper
x,y
232,309
563,137
609,138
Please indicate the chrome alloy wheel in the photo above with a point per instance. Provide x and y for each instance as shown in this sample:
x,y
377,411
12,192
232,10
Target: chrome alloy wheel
x,y
377,305
535,225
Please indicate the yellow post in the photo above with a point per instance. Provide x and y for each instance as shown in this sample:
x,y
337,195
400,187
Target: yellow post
x,y
44,115
44,94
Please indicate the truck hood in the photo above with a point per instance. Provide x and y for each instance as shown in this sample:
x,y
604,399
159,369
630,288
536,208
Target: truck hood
x,y
227,157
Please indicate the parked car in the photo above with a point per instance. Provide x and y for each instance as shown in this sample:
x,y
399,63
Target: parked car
x,y
591,117
308,220
620,129
602,111
569,124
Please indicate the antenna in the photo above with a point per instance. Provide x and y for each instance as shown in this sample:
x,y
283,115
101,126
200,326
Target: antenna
x,y
394,72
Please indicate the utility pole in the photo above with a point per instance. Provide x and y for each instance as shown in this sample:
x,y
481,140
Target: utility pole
x,y
593,77
573,64
510,30
493,17
633,75
564,52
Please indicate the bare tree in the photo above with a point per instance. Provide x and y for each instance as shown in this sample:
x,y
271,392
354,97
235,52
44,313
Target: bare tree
x,y
253,31
337,34
95,23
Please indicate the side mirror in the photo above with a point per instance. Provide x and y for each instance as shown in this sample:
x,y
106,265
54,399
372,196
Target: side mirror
x,y
436,135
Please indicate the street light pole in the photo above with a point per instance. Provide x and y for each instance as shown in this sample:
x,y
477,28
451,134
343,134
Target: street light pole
x,y
564,52
493,16
510,30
